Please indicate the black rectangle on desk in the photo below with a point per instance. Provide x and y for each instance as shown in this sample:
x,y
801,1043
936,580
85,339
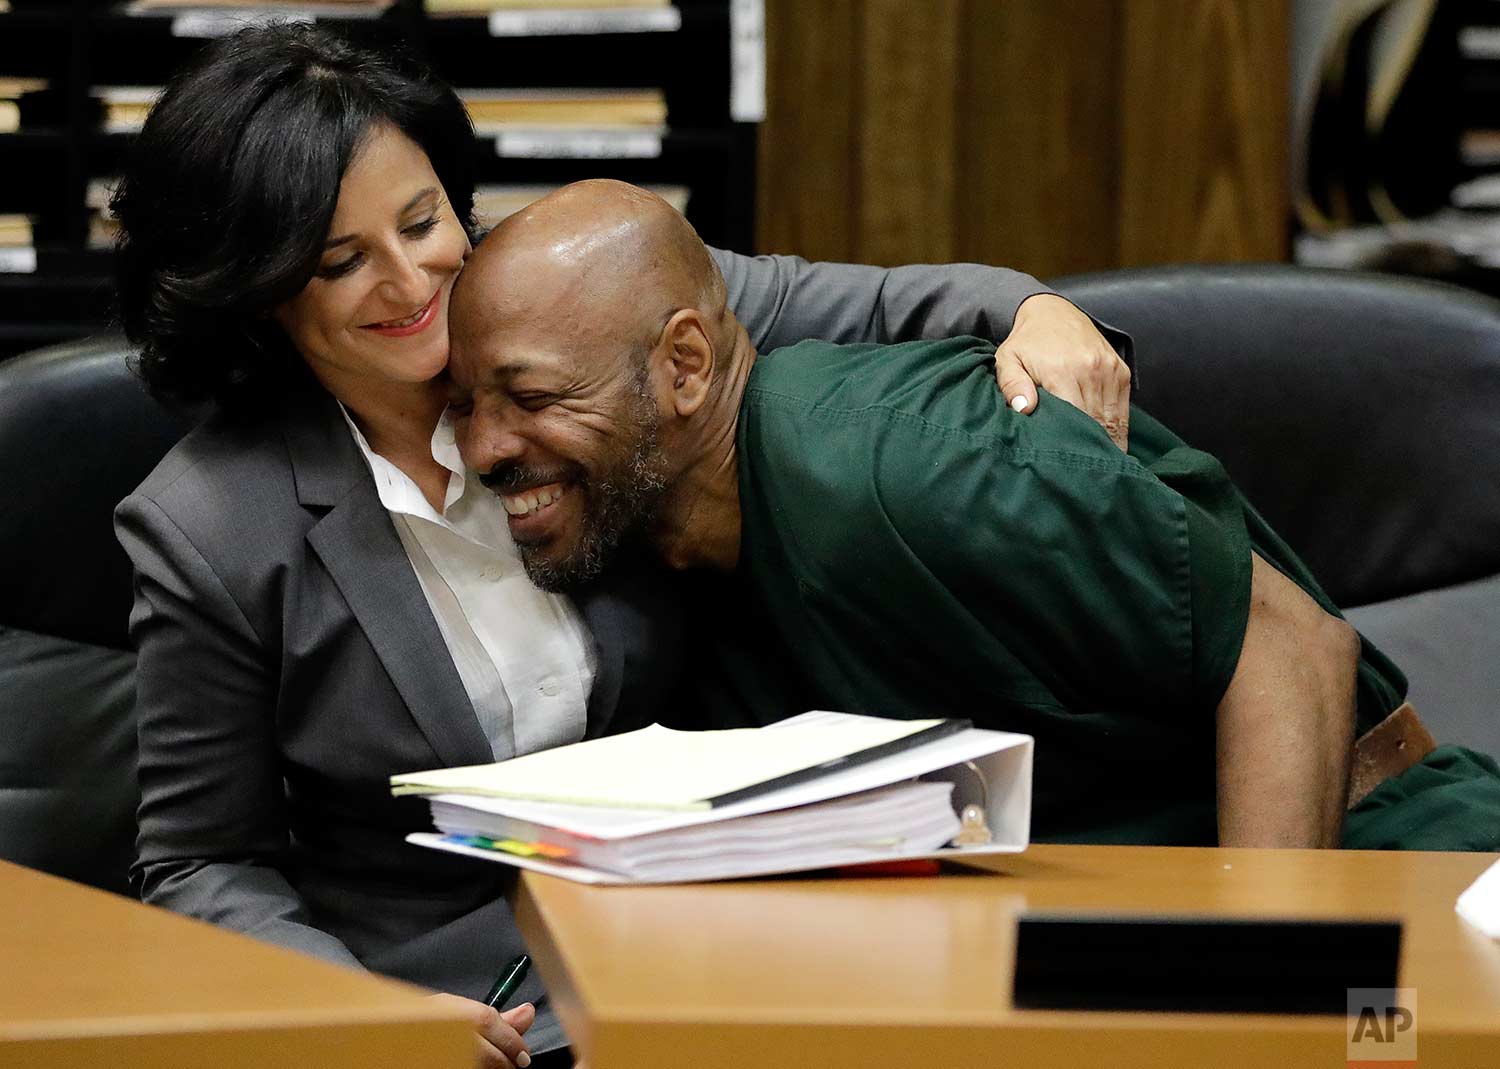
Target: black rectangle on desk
x,y
1102,961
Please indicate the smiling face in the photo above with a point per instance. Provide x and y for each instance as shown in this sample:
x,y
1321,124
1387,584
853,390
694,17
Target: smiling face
x,y
557,415
377,308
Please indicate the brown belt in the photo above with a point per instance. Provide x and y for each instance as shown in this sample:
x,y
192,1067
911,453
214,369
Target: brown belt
x,y
1388,749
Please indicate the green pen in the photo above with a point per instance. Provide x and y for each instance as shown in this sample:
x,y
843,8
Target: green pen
x,y
509,979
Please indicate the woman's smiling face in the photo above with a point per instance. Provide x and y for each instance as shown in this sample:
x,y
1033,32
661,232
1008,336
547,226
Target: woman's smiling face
x,y
377,308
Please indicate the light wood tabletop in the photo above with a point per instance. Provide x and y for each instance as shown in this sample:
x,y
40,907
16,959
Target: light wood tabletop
x,y
917,971
92,979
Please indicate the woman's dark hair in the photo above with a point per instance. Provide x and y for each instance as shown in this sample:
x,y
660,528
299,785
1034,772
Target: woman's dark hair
x,y
229,191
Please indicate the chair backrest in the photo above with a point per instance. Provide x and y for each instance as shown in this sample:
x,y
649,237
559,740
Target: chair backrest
x,y
77,433
1360,413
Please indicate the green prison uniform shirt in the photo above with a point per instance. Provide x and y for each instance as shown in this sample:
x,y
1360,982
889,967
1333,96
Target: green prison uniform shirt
x,y
911,547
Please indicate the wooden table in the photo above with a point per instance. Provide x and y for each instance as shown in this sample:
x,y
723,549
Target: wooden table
x,y
92,979
866,972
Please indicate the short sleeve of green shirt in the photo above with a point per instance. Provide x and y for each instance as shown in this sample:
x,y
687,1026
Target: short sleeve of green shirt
x,y
892,501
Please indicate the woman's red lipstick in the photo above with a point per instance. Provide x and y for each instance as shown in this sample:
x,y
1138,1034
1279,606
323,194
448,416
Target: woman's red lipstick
x,y
425,319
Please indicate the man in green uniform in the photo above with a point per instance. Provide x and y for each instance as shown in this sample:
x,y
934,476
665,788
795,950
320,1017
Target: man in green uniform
x,y
883,536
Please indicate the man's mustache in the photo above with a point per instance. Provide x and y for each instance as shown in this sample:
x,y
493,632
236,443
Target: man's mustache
x,y
509,476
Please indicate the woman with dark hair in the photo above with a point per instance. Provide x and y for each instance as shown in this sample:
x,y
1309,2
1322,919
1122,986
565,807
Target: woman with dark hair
x,y
323,598
230,190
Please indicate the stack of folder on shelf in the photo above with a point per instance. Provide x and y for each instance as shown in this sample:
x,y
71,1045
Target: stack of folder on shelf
x,y
493,110
15,231
570,123
17,245
321,7
540,18
104,228
493,203
815,791
11,91
484,7
123,108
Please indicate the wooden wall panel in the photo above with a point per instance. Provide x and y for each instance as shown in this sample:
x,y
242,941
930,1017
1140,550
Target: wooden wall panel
x,y
1204,131
1038,111
806,189
1050,135
908,130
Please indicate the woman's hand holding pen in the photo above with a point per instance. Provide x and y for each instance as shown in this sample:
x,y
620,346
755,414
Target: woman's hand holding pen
x,y
498,1032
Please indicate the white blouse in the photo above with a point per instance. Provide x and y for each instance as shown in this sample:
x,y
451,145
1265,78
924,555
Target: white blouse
x,y
525,656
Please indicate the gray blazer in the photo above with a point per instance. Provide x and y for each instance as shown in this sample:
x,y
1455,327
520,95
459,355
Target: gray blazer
x,y
289,664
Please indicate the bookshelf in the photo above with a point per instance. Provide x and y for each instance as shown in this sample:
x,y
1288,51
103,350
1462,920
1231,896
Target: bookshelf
x,y
58,287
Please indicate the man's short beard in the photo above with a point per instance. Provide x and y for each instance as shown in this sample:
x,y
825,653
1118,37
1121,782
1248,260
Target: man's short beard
x,y
618,504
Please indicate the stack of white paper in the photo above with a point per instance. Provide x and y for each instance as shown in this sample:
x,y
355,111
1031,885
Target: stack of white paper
x,y
659,768
658,806
905,818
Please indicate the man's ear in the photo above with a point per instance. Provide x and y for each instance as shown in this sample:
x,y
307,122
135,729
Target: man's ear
x,y
686,360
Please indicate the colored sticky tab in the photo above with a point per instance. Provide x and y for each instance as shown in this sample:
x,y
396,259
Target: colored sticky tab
x,y
515,846
511,846
557,853
476,841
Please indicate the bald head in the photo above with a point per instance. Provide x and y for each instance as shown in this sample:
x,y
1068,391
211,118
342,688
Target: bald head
x,y
594,369
603,251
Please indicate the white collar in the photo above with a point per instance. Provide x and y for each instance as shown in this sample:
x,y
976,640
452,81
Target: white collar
x,y
398,493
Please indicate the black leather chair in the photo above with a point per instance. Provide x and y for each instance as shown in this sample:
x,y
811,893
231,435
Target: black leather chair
x,y
77,433
1361,414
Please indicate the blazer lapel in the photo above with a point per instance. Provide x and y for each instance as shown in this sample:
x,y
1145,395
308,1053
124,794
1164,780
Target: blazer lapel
x,y
362,552
601,612
636,620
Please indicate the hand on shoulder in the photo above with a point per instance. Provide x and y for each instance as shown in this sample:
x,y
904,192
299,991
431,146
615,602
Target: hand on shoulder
x,y
1054,345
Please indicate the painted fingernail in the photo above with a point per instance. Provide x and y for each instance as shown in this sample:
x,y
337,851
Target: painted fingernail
x,y
1019,403
523,1059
